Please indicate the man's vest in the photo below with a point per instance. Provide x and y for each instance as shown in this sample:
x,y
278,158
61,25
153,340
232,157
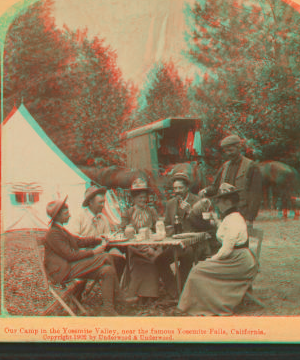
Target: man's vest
x,y
240,179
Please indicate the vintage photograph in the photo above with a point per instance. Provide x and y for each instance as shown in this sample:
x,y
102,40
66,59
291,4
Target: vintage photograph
x,y
150,165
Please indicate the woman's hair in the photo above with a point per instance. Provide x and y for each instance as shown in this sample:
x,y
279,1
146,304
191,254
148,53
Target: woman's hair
x,y
234,198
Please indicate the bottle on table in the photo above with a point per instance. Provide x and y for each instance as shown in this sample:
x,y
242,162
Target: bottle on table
x,y
160,228
177,225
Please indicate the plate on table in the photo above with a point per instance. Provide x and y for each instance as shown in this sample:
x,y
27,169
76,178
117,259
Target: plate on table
x,y
184,235
157,237
118,238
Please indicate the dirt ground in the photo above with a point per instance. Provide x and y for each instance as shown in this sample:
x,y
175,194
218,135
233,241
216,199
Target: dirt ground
x,y
276,285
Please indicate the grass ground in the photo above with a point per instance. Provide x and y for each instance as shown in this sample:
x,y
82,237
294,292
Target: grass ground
x,y
277,283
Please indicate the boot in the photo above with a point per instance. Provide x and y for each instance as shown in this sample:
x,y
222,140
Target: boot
x,y
121,297
108,289
79,294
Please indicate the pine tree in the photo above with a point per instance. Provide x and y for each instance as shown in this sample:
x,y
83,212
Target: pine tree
x,y
34,55
248,54
70,84
163,95
100,101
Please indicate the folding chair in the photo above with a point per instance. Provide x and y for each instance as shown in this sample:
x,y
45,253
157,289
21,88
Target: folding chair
x,y
62,293
255,243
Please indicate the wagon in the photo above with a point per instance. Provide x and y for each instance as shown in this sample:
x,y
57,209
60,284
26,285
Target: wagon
x,y
156,146
156,151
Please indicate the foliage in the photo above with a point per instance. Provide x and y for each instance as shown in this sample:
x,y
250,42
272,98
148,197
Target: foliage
x,y
248,55
70,84
163,95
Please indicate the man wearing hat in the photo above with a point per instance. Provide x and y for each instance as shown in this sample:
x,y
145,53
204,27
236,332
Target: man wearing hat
x,y
70,257
181,204
242,173
179,208
92,222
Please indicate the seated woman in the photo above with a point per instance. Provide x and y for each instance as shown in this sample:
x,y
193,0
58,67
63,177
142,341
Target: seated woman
x,y
216,286
142,274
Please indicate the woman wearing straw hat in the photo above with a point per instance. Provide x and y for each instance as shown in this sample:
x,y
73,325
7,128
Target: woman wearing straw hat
x,y
216,286
142,275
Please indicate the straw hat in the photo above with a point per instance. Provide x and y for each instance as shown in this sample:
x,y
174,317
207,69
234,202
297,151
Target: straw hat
x,y
91,192
139,184
226,189
54,207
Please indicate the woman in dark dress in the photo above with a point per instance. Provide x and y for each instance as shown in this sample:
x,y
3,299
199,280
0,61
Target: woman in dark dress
x,y
142,276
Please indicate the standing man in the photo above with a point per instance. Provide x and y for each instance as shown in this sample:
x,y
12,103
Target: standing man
x,y
92,222
69,257
242,173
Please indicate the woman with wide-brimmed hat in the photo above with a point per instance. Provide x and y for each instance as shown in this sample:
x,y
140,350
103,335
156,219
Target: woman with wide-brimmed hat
x,y
142,275
216,286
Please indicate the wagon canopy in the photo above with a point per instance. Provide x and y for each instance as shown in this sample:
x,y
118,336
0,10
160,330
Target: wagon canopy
x,y
163,142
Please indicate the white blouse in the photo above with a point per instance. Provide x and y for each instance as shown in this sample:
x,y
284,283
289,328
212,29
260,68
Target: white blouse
x,y
232,231
87,224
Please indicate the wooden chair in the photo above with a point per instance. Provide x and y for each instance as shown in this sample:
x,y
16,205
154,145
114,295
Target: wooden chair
x,y
255,243
62,293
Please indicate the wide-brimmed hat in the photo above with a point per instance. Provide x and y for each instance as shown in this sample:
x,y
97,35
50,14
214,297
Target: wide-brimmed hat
x,y
139,184
181,176
91,192
230,140
54,207
226,189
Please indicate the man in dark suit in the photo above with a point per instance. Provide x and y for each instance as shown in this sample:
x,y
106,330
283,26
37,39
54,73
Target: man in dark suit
x,y
180,207
181,204
241,172
68,257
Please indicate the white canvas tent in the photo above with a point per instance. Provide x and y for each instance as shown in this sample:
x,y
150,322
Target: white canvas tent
x,y
33,172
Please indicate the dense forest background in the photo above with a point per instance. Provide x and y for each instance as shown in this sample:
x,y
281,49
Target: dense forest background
x,y
247,55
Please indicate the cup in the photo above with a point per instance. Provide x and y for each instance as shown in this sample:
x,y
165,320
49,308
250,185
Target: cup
x,y
144,233
169,230
129,232
206,215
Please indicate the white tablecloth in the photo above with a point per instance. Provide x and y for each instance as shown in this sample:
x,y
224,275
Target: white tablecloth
x,y
168,241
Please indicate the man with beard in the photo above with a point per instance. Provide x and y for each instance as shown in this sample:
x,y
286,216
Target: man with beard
x,y
242,173
91,221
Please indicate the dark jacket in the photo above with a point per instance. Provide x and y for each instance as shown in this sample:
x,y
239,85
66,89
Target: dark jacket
x,y
247,178
172,209
62,248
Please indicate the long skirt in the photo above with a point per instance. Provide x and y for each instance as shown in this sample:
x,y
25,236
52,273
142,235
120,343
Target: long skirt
x,y
216,287
141,278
